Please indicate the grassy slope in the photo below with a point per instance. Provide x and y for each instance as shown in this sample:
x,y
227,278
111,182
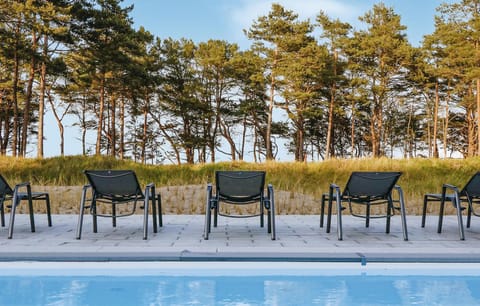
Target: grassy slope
x,y
419,175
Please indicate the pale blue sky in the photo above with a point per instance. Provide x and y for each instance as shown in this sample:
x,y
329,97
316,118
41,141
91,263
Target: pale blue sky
x,y
201,20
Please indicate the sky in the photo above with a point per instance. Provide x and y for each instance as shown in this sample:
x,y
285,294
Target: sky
x,y
201,20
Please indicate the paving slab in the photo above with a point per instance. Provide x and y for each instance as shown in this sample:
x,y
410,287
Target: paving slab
x,y
299,238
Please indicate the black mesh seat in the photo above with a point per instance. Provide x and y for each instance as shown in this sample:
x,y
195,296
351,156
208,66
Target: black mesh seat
x,y
240,188
116,187
470,193
368,189
16,196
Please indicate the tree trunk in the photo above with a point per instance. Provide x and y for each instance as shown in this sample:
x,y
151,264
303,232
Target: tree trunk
x,y
144,134
113,125
16,64
121,149
244,137
59,124
28,97
478,117
328,145
84,126
435,122
268,133
41,100
100,115
445,127
352,131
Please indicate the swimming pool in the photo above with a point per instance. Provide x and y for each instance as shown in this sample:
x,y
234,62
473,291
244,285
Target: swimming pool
x,y
237,283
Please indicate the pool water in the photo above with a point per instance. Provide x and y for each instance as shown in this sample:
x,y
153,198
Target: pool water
x,y
255,284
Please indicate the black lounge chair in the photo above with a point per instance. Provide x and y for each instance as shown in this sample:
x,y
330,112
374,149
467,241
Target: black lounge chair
x,y
115,187
469,193
240,187
368,188
16,196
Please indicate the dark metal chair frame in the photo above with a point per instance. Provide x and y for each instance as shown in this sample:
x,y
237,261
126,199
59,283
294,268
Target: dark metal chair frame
x,y
116,187
469,193
240,188
365,188
16,196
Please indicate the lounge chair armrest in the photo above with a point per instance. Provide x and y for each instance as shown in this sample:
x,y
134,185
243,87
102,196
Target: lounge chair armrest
x,y
454,189
449,186
403,210
269,191
150,188
211,200
268,200
20,185
334,188
16,200
24,184
399,190
400,199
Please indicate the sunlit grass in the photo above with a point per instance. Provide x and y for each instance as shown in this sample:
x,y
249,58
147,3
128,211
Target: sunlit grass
x,y
420,176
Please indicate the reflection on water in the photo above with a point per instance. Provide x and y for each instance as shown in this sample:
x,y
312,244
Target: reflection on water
x,y
244,290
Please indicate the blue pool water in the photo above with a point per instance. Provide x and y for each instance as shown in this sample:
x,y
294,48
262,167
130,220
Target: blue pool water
x,y
254,284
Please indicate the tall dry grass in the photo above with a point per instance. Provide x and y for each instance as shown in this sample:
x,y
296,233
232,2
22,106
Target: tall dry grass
x,y
298,186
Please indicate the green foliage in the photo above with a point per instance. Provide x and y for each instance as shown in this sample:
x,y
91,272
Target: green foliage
x,y
420,176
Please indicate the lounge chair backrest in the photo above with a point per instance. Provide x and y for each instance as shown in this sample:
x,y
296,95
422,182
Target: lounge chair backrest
x,y
472,188
240,186
371,184
4,187
114,183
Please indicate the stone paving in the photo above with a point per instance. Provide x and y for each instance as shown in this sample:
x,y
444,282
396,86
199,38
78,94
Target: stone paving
x,y
299,238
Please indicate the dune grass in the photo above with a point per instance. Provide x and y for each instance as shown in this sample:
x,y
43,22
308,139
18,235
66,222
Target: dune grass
x,y
420,176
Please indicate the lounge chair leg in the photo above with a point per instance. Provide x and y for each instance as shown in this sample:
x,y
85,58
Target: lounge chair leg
x,y
12,215
81,212
403,214
145,216
208,216
114,215
459,217
30,210
94,216
208,213
469,212
273,230
367,215
160,213
154,214
440,216
49,213
271,212
329,214
2,211
424,211
339,220
322,210
269,222
262,214
389,212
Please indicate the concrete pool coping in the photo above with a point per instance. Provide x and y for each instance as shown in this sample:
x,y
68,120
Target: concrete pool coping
x,y
300,239
162,268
